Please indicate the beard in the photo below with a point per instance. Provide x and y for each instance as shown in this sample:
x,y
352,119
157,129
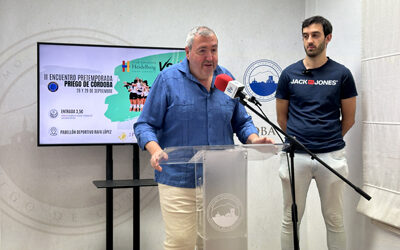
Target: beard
x,y
317,51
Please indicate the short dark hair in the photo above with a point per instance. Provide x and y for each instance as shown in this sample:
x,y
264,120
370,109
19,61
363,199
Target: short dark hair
x,y
326,25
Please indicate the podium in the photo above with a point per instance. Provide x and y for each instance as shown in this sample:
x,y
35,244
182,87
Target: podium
x,y
221,190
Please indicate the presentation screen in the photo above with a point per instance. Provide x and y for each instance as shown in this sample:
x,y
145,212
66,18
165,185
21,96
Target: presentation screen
x,y
93,94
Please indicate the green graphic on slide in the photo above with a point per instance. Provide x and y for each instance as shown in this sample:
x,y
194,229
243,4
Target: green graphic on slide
x,y
145,68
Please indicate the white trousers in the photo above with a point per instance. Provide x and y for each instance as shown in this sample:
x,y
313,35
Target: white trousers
x,y
178,208
330,188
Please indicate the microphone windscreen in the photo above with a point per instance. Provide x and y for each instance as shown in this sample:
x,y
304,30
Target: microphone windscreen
x,y
221,81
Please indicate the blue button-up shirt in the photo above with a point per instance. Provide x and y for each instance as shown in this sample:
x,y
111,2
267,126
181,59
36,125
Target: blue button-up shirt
x,y
179,111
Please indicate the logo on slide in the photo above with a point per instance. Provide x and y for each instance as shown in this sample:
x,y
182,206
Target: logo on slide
x,y
52,86
261,79
53,113
224,212
53,131
125,66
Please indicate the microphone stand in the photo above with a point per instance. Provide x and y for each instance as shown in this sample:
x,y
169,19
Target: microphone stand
x,y
295,144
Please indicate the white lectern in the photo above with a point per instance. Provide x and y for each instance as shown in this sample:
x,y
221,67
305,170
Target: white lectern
x,y
221,190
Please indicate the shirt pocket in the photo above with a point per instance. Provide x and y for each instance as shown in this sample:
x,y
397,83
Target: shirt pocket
x,y
223,110
182,110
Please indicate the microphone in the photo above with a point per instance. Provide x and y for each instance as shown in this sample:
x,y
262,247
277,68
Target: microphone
x,y
307,72
233,88
221,81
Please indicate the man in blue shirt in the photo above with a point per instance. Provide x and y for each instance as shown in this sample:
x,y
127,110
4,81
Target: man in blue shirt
x,y
184,108
316,103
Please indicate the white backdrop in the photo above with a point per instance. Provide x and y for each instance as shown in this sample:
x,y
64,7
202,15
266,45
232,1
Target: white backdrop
x,y
47,195
47,198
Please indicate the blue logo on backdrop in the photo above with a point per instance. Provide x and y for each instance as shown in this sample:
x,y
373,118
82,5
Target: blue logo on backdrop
x,y
261,79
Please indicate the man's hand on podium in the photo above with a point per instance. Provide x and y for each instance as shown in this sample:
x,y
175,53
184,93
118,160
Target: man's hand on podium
x,y
255,139
156,158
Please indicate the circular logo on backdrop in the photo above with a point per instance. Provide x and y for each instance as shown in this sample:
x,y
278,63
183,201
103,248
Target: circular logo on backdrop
x,y
261,79
224,212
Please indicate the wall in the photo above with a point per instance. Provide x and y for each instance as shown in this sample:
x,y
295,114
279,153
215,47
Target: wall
x,y
48,200
47,197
